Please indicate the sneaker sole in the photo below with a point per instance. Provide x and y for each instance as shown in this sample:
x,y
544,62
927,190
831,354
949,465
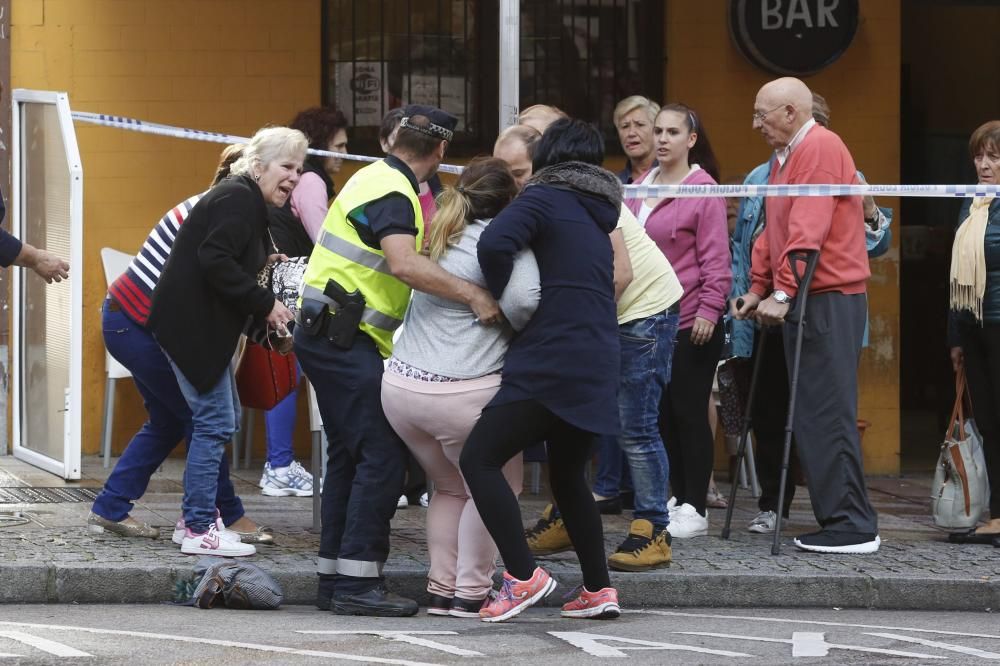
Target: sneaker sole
x,y
440,612
754,529
636,568
524,605
689,535
550,551
461,613
219,552
609,610
339,608
285,492
853,549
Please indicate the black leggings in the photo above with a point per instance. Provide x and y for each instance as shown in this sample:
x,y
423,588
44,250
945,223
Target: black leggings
x,y
501,433
684,417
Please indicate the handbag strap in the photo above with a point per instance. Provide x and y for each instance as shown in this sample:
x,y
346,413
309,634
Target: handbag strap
x,y
958,411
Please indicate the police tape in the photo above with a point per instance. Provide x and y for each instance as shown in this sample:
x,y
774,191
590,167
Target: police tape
x,y
132,124
631,191
808,190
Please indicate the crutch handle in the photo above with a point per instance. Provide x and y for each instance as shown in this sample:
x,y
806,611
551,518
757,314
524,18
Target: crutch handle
x,y
802,280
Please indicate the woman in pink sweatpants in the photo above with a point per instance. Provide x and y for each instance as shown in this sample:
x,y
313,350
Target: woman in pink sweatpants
x,y
444,369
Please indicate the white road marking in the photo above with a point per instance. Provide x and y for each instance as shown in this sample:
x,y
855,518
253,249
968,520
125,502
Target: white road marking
x,y
816,622
411,637
592,645
43,644
811,644
221,643
942,646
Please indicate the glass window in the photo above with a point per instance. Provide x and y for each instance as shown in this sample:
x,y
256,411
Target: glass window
x,y
580,55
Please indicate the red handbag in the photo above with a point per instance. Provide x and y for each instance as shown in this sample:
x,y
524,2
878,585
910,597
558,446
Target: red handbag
x,y
264,377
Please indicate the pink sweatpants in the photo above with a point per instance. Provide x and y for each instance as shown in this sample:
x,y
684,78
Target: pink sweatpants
x,y
435,419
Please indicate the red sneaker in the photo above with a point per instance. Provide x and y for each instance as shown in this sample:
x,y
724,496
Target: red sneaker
x,y
516,595
600,605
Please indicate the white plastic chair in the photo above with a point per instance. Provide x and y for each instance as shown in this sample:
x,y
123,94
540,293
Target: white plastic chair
x,y
115,263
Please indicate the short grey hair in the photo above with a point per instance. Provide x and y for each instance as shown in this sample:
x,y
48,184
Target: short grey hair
x,y
270,144
633,102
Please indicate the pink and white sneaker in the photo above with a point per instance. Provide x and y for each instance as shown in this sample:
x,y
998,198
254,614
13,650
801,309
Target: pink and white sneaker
x,y
180,528
515,596
600,605
214,543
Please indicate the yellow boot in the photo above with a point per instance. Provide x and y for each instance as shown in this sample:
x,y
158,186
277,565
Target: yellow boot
x,y
549,534
641,551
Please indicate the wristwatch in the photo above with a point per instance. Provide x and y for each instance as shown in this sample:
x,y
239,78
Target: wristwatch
x,y
780,297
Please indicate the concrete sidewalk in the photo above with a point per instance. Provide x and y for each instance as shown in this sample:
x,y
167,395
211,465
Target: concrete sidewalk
x,y
50,556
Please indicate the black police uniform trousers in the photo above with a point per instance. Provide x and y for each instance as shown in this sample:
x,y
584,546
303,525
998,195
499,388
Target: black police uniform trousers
x,y
364,473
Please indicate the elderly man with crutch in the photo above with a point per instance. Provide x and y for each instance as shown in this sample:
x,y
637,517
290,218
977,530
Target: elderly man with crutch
x,y
823,345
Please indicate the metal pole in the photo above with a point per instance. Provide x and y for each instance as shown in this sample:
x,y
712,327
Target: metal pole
x,y
510,62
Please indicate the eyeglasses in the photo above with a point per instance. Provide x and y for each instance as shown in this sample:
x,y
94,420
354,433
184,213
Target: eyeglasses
x,y
758,116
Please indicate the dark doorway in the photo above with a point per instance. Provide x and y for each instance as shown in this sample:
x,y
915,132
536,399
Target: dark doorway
x,y
950,85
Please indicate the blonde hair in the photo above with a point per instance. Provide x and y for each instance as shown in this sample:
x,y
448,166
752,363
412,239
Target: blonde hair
x,y
484,188
270,144
633,102
525,134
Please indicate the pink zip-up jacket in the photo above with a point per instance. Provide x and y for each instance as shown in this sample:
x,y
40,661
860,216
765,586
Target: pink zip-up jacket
x,y
693,235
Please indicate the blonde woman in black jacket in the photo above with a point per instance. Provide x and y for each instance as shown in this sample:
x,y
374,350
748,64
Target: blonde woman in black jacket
x,y
206,294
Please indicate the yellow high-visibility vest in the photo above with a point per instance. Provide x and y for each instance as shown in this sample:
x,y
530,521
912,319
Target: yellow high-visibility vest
x,y
340,253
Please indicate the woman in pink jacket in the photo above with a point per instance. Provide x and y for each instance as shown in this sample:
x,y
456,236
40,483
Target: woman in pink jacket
x,y
692,234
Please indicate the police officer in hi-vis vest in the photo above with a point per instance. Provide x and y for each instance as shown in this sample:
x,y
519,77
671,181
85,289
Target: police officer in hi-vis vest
x,y
355,292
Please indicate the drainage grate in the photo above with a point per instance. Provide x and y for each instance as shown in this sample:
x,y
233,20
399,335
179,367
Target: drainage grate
x,y
47,495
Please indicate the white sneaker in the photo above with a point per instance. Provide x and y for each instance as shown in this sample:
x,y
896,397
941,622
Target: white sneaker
x,y
403,502
213,543
686,522
763,522
672,507
293,480
180,529
425,500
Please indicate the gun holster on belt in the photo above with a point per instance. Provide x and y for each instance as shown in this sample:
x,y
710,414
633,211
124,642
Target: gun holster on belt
x,y
346,317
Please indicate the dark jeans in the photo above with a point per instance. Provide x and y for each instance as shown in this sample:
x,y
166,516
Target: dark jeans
x,y
684,417
169,421
364,473
501,433
981,346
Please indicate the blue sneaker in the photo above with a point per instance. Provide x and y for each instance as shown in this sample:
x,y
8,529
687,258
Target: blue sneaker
x,y
293,480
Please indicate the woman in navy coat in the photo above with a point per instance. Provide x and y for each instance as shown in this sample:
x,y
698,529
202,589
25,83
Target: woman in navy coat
x,y
560,375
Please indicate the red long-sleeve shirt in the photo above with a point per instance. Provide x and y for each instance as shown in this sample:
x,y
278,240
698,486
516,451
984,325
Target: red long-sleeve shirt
x,y
832,225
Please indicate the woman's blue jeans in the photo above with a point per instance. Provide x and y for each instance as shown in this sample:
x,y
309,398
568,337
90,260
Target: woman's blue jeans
x,y
214,419
647,347
169,421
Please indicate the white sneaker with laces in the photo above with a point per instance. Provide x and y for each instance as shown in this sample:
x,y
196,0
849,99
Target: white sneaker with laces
x,y
180,528
286,481
686,522
763,523
213,543
425,500
403,502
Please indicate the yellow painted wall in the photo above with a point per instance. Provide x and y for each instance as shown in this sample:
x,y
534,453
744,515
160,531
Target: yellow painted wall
x,y
223,65
705,70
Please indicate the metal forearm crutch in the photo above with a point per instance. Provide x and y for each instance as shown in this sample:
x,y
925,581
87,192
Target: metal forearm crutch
x,y
803,283
741,447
